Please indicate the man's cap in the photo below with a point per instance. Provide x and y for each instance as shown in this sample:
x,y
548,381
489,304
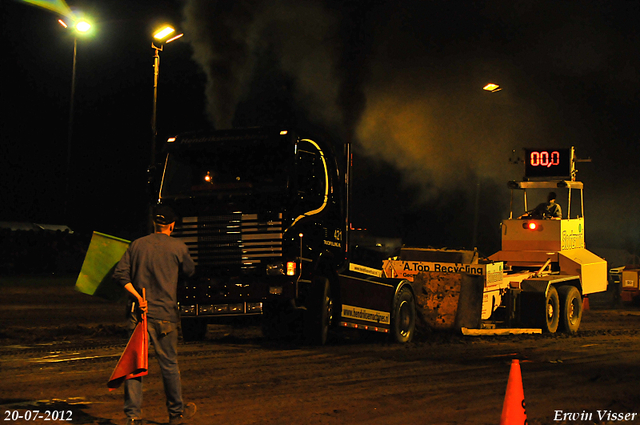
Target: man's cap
x,y
163,214
552,195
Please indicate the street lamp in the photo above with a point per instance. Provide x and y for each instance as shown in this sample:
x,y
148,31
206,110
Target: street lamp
x,y
491,87
81,27
162,36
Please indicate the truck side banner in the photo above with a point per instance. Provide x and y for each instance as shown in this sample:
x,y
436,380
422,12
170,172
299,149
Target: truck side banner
x,y
365,270
409,269
367,315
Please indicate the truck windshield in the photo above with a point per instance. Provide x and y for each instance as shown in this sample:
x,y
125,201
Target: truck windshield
x,y
245,166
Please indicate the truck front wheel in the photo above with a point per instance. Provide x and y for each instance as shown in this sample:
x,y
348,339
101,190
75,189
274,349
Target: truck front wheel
x,y
403,324
551,311
570,308
319,314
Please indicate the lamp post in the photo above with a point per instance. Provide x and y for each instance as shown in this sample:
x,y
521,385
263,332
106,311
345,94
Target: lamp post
x,y
491,88
162,36
80,27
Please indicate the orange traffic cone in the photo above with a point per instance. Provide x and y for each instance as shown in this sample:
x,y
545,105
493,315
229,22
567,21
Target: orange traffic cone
x,y
513,409
585,303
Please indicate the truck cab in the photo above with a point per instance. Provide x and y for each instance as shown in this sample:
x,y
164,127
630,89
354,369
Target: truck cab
x,y
263,215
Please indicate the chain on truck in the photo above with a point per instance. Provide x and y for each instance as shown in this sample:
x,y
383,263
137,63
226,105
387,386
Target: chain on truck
x,y
265,215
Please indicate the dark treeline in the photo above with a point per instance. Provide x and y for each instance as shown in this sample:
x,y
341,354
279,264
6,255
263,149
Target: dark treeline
x,y
42,251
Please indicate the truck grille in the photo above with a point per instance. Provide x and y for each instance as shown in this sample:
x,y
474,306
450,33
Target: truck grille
x,y
232,239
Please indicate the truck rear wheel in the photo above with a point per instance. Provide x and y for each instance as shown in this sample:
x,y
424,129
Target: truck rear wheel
x,y
570,308
193,329
551,311
319,314
403,324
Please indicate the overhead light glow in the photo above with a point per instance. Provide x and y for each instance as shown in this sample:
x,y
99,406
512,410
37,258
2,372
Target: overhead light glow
x,y
83,26
60,7
163,33
492,87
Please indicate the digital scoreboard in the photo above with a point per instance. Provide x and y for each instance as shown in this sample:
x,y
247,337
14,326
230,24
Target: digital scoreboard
x,y
547,163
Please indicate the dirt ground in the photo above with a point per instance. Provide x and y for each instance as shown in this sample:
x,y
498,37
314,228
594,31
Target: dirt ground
x,y
59,347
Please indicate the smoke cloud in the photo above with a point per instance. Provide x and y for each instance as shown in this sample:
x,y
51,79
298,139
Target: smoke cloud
x,y
342,61
222,35
403,79
231,38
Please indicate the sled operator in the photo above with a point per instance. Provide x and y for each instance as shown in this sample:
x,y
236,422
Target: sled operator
x,y
550,209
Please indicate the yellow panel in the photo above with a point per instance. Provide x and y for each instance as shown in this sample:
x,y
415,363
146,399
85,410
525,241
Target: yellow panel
x,y
591,269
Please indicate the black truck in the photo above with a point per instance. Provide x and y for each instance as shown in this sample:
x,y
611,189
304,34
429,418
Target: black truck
x,y
265,214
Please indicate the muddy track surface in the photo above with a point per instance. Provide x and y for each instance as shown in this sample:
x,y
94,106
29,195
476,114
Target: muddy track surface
x,y
58,350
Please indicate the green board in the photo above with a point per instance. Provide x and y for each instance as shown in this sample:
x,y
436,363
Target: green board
x,y
102,256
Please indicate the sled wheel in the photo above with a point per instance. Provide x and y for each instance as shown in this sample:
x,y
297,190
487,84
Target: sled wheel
x,y
570,308
404,316
551,311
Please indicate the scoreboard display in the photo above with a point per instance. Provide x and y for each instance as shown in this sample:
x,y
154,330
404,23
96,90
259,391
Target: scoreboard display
x,y
548,163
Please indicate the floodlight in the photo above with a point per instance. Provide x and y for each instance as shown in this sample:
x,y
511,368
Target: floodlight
x,y
492,87
83,26
163,33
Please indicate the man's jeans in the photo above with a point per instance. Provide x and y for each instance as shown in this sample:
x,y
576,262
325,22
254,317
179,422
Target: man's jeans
x,y
164,336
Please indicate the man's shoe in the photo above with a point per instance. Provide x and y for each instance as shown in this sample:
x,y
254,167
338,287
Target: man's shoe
x,y
134,421
187,413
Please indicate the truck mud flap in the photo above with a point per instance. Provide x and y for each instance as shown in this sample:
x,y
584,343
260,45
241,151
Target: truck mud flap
x,y
366,301
449,301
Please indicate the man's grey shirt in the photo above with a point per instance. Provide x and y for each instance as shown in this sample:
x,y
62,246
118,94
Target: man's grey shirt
x,y
154,262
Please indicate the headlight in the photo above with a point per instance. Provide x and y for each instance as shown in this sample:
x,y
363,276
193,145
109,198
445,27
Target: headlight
x,y
254,307
275,269
188,310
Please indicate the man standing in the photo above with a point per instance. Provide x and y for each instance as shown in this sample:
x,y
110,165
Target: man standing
x,y
153,263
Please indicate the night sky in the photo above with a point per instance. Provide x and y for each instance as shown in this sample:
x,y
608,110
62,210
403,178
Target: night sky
x,y
401,80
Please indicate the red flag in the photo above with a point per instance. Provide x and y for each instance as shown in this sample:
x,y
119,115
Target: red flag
x,y
134,361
